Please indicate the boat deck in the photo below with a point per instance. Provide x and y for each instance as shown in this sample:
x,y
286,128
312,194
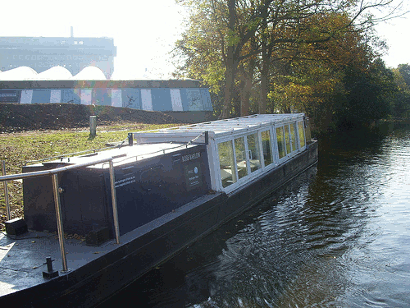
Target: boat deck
x,y
22,258
184,189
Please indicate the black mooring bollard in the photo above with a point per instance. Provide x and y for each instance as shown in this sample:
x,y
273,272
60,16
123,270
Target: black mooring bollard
x,y
130,139
93,126
50,272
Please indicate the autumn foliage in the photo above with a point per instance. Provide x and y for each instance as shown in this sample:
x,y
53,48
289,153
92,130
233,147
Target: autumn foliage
x,y
318,57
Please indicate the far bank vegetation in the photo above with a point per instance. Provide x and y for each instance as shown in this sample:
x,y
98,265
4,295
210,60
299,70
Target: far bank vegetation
x,y
318,57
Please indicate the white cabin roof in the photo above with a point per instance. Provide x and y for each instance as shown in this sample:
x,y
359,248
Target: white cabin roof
x,y
216,129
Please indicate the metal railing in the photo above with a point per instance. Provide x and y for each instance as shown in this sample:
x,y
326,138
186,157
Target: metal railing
x,y
6,192
56,193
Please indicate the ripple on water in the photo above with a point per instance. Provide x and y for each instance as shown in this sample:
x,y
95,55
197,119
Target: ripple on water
x,y
339,238
337,241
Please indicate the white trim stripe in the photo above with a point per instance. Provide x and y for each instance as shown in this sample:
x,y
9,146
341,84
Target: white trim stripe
x,y
146,99
55,96
176,100
26,97
116,98
85,95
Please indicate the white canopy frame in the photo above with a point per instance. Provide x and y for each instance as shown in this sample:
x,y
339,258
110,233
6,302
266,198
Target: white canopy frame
x,y
217,132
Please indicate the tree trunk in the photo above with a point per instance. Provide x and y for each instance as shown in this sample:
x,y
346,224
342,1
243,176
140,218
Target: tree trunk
x,y
229,85
264,94
264,79
245,96
230,64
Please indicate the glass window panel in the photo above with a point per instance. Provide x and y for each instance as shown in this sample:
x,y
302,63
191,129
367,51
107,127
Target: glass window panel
x,y
254,152
240,153
226,163
287,139
293,136
281,142
267,147
301,132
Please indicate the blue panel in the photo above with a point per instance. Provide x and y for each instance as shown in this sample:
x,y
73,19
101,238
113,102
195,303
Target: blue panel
x,y
101,96
131,98
161,100
10,96
194,100
41,96
184,100
70,96
206,100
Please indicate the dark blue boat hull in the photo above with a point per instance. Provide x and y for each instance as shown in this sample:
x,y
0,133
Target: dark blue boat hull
x,y
157,241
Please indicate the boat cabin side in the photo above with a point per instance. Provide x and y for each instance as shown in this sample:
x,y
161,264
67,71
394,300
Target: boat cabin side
x,y
247,155
240,149
150,181
162,171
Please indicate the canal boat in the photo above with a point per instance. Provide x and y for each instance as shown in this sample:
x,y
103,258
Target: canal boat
x,y
98,221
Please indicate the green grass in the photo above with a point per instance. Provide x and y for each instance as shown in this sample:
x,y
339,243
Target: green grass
x,y
17,149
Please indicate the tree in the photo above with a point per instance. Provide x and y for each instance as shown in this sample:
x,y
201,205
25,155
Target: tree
x,y
369,95
249,39
401,102
313,79
404,70
230,24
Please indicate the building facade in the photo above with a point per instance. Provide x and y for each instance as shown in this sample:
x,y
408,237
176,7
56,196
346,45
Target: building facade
x,y
43,53
150,95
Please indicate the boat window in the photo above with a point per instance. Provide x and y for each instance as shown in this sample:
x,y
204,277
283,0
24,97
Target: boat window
x,y
267,147
240,155
301,133
287,139
254,152
281,141
226,163
293,136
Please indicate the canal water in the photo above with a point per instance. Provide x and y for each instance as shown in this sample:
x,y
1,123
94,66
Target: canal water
x,y
337,236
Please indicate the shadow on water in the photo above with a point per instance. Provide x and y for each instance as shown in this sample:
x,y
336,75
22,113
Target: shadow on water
x,y
242,250
308,245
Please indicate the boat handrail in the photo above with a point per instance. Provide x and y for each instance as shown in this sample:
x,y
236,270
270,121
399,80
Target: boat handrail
x,y
56,194
66,155
25,175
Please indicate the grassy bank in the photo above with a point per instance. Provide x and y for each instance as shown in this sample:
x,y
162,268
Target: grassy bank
x,y
16,149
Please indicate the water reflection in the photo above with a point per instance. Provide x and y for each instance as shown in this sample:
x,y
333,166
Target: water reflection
x,y
338,236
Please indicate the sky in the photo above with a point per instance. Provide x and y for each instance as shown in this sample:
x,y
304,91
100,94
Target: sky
x,y
144,31
396,34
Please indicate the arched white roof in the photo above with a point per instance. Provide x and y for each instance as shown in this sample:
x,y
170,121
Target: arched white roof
x,y
55,73
19,73
90,73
